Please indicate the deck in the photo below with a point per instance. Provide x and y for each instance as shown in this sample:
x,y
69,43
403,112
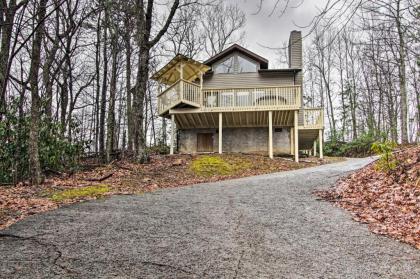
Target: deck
x,y
242,107
187,94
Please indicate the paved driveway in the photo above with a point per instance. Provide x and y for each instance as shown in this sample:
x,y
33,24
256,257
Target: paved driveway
x,y
268,226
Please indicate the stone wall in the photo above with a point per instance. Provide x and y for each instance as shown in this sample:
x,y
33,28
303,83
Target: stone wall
x,y
247,140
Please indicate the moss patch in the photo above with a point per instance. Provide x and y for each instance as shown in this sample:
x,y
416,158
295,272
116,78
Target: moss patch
x,y
216,165
89,191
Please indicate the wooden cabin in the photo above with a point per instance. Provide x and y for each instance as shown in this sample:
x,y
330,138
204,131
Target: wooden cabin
x,y
234,103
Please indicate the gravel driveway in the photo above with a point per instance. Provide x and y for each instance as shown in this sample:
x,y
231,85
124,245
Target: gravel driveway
x,y
268,226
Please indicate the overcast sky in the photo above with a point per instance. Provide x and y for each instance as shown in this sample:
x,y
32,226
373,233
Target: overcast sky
x,y
264,30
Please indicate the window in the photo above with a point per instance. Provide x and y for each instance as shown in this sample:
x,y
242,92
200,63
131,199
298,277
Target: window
x,y
235,64
225,67
246,66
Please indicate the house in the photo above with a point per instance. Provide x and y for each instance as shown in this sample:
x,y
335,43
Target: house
x,y
233,102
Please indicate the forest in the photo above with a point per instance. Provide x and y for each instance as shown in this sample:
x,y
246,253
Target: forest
x,y
74,74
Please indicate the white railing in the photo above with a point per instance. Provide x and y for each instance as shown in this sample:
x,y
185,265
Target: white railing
x,y
313,118
169,97
229,99
191,92
251,98
180,91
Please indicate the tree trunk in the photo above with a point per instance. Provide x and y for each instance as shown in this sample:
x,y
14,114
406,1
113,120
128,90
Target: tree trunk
x,y
402,78
64,100
104,89
144,26
112,94
34,163
128,91
138,102
6,37
98,80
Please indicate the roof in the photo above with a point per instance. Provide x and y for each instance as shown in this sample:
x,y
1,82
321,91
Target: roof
x,y
169,73
235,47
285,70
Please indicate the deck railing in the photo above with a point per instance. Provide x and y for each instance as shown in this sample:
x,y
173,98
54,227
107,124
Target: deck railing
x,y
191,92
251,98
313,118
178,92
229,99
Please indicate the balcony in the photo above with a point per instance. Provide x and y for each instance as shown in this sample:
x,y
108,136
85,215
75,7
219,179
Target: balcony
x,y
311,118
184,94
181,94
250,99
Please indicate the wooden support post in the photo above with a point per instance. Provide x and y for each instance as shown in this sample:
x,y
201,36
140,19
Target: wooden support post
x,y
171,148
270,134
220,133
181,85
314,148
296,135
292,141
321,151
201,89
181,71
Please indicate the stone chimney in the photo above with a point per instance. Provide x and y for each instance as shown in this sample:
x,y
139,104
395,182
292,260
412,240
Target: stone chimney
x,y
295,57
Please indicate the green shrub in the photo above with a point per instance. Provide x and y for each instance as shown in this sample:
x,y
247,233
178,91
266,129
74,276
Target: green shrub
x,y
387,160
333,148
55,151
360,147
158,149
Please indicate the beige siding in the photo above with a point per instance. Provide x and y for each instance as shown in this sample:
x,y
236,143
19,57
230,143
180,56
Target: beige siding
x,y
295,49
244,80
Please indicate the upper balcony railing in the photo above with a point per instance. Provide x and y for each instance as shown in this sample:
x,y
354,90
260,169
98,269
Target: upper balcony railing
x,y
229,99
257,98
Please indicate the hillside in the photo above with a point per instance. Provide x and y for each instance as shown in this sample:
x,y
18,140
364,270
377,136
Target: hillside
x,y
389,202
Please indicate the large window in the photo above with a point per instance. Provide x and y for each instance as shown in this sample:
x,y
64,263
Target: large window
x,y
235,64
246,66
226,67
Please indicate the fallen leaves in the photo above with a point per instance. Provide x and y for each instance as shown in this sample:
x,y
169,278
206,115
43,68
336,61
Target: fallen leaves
x,y
389,202
20,201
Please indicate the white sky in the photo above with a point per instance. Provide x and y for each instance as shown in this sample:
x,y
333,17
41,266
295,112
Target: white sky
x,y
264,30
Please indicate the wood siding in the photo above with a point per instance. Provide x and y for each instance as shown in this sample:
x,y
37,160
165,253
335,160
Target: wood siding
x,y
295,50
246,80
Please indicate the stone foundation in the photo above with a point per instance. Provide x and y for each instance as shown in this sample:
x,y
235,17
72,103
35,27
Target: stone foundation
x,y
246,140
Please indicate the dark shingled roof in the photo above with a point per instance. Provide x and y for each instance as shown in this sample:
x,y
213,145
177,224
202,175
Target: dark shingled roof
x,y
263,61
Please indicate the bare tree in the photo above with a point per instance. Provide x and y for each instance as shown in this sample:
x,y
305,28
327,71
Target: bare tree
x,y
145,42
35,167
223,25
8,12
